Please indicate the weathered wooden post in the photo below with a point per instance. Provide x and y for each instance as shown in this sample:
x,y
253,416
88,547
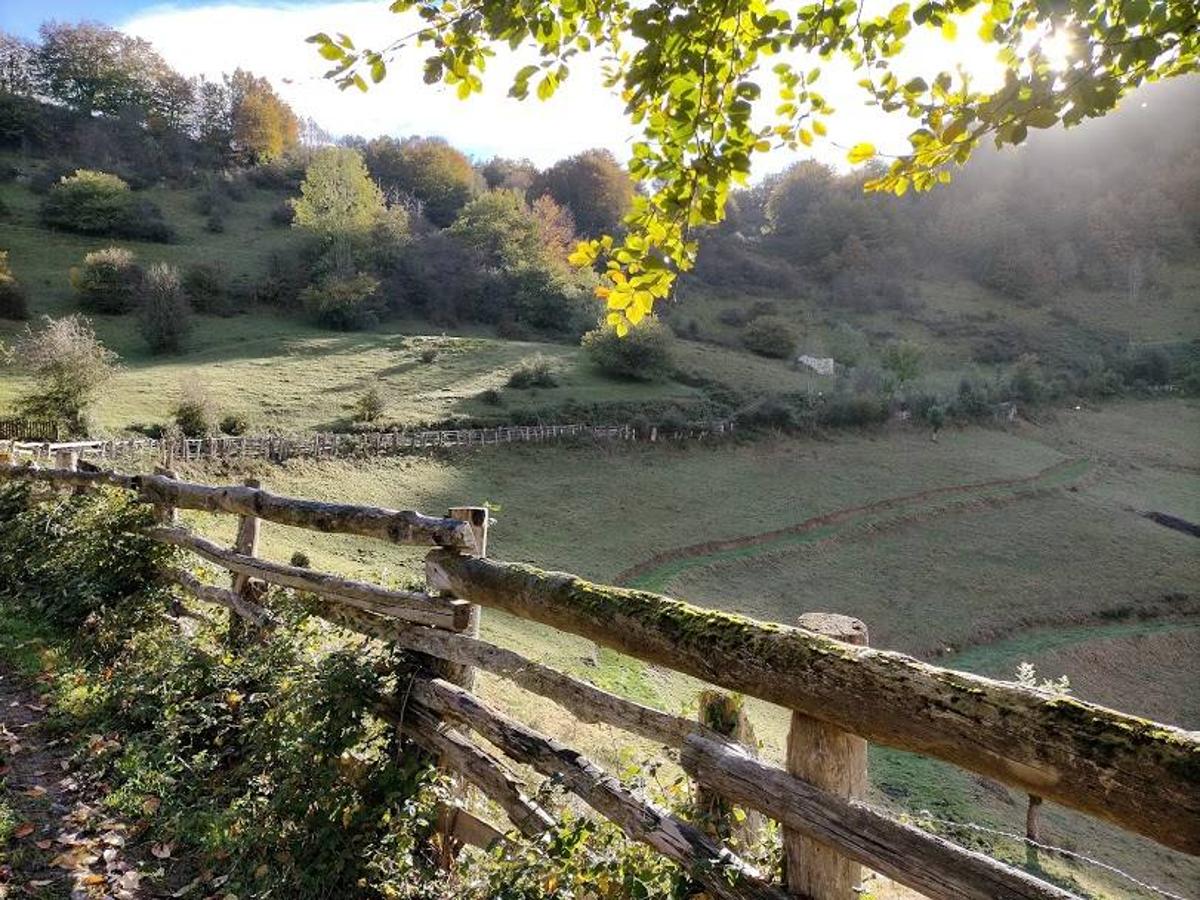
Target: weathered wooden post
x,y
65,458
726,714
477,517
246,543
835,761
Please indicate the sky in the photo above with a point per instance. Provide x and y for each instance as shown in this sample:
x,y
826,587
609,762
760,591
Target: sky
x,y
205,37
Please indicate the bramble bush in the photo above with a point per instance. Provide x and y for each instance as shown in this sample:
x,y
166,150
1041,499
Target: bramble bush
x,y
770,336
108,281
164,314
99,203
644,354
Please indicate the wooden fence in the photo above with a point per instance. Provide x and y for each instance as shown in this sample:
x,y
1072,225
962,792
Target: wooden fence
x,y
1139,775
330,445
29,430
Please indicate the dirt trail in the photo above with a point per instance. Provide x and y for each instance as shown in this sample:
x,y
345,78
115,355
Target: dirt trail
x,y
64,844
655,572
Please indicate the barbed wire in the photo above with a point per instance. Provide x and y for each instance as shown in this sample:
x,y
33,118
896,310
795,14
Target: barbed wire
x,y
926,816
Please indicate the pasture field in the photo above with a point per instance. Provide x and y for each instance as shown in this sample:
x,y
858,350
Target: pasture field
x,y
1054,565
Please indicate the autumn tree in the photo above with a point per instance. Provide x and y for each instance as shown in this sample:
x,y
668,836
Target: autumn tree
x,y
691,76
18,61
428,170
93,68
263,127
593,186
508,174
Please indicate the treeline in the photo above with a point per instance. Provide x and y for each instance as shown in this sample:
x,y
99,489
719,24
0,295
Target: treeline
x,y
1106,207
107,100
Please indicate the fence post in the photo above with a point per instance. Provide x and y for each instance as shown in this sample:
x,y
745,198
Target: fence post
x,y
246,543
66,459
835,761
477,516
726,714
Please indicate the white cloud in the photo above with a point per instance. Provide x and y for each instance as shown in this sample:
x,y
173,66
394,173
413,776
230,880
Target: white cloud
x,y
269,40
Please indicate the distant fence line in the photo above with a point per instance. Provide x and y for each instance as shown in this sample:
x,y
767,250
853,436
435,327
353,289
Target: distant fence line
x,y
17,429
330,445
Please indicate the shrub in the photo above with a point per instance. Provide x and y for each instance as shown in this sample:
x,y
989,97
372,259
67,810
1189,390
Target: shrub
x,y
204,287
770,336
88,202
534,372
903,360
164,315
194,413
69,366
108,281
852,412
491,397
1026,382
99,203
13,304
733,316
347,304
428,355
215,223
644,354
770,413
235,425
369,406
283,213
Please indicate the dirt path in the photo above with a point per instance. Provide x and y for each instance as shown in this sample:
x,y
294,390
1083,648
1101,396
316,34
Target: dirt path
x,y
657,572
62,843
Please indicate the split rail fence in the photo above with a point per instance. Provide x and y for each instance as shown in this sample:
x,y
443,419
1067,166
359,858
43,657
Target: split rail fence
x,y
330,445
1136,774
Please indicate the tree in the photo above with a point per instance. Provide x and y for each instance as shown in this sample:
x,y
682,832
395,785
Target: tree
x,y
508,174
593,186
687,72
94,68
338,202
18,65
164,314
903,360
770,336
69,366
429,170
262,127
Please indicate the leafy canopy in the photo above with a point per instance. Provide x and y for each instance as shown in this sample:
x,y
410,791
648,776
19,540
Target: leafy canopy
x,y
686,71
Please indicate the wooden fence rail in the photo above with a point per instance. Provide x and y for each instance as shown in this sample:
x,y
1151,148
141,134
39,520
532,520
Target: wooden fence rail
x,y
1140,775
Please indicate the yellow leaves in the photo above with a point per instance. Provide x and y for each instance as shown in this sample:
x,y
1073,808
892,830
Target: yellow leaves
x,y
819,127
806,137
861,153
949,30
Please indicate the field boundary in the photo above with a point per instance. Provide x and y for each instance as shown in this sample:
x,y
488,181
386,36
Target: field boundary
x,y
332,444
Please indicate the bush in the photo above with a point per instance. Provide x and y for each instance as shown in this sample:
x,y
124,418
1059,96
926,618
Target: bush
x,y
13,304
69,365
644,354
733,316
852,412
235,425
903,360
283,213
347,304
99,203
770,336
194,413
534,372
108,281
204,287
164,316
491,397
428,355
369,406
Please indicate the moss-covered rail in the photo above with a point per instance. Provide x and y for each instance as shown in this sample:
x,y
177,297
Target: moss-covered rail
x,y
1133,772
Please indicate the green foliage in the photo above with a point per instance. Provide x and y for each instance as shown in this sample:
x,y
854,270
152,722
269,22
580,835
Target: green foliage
x,y
164,314
98,203
338,198
644,354
439,178
369,406
13,303
770,336
903,360
345,303
235,424
537,371
205,288
691,80
108,281
194,413
78,556
68,364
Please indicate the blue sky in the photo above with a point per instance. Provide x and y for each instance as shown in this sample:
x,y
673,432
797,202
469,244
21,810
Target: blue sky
x,y
208,37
